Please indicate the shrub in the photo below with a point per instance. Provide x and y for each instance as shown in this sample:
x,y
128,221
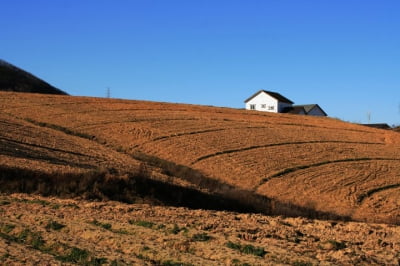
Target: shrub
x,y
232,245
145,248
174,263
53,225
72,205
142,223
5,256
201,237
256,251
4,202
56,206
97,261
76,255
176,229
7,228
301,263
116,263
31,238
41,202
337,245
247,249
106,226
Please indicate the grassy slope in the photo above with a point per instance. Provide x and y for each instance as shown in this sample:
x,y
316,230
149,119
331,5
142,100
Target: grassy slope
x,y
321,164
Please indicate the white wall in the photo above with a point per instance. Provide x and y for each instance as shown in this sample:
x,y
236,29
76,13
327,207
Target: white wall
x,y
271,104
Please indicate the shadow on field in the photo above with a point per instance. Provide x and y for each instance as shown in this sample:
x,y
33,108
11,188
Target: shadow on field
x,y
134,187
18,149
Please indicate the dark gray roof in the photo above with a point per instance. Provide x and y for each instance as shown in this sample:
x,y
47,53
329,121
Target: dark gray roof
x,y
309,107
294,110
378,125
275,95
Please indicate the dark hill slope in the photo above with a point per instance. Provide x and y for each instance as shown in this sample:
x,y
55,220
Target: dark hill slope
x,y
15,79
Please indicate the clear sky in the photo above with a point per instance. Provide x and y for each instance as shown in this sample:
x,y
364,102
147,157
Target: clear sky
x,y
342,54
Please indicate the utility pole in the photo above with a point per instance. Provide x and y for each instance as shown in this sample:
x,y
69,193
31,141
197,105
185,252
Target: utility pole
x,y
108,93
369,117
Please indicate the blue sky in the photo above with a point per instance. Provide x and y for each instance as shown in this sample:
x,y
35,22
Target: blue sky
x,y
342,54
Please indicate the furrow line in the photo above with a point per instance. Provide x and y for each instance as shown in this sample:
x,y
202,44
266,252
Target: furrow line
x,y
279,144
369,193
302,167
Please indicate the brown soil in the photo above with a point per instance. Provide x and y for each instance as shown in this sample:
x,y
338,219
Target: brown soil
x,y
37,230
320,164
161,157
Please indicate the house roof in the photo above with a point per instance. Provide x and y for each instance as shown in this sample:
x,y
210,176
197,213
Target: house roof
x,y
295,110
378,125
309,107
275,95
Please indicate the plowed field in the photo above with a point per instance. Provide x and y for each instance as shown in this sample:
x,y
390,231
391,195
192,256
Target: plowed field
x,y
50,231
322,164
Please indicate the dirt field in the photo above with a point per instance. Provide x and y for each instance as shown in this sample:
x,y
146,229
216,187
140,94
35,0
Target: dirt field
x,y
49,231
226,166
321,164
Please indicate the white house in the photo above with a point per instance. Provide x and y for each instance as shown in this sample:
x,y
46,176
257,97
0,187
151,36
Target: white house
x,y
268,101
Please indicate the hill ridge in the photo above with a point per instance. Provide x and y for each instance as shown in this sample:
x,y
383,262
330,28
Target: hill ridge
x,y
13,78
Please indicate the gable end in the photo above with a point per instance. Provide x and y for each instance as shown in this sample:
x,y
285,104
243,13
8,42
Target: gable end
x,y
274,95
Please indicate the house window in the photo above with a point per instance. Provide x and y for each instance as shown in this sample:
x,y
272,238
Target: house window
x,y
252,107
271,107
263,106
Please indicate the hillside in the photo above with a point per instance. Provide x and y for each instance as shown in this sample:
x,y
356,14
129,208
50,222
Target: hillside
x,y
15,79
278,163
51,160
